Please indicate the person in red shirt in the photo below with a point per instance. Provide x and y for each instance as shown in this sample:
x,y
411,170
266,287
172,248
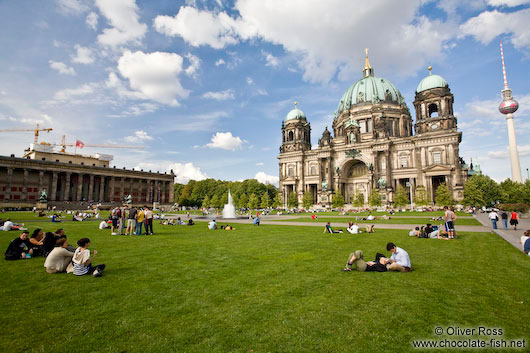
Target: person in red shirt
x,y
514,220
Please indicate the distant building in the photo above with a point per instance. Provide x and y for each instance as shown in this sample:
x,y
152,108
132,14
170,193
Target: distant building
x,y
72,178
376,145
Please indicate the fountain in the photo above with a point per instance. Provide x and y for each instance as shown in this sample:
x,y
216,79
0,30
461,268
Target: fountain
x,y
229,211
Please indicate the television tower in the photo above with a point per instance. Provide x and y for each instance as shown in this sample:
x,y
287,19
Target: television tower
x,y
507,107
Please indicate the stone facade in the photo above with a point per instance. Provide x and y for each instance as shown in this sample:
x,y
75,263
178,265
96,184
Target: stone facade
x,y
22,180
373,147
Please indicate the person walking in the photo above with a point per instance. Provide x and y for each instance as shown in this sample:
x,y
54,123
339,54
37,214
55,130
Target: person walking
x,y
514,220
504,219
494,218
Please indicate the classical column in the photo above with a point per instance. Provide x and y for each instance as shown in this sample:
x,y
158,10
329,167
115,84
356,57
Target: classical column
x,y
67,187
419,167
388,169
41,181
156,197
163,192
111,188
458,165
91,188
9,180
122,188
171,192
25,185
101,188
79,195
53,194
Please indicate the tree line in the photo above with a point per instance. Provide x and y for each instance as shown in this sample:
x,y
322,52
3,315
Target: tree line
x,y
211,193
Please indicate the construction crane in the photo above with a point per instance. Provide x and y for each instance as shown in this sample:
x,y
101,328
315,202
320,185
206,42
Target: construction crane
x,y
79,144
36,130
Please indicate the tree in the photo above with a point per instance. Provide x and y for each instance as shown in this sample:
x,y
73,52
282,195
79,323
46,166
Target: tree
x,y
214,202
473,195
338,200
491,191
400,198
421,198
253,201
243,201
307,201
512,192
358,200
206,202
443,196
265,201
292,201
277,200
375,198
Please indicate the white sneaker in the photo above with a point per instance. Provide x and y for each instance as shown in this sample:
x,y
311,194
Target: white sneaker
x,y
113,233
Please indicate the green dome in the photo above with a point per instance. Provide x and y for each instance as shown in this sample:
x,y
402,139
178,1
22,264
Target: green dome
x,y
295,114
370,89
431,81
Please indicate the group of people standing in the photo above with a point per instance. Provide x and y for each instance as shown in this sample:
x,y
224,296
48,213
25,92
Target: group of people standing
x,y
494,218
136,218
60,256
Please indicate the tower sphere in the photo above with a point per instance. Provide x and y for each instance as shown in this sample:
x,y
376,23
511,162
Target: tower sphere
x,y
508,106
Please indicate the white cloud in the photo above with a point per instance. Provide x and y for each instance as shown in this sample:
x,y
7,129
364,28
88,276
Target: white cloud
x,y
66,94
260,163
154,75
524,150
220,62
71,7
123,16
220,96
250,81
92,20
225,141
62,68
195,62
271,59
83,55
262,92
490,24
139,135
198,27
185,172
509,3
267,179
319,54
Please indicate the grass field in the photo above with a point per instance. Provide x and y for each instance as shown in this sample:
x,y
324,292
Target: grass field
x,y
394,220
260,289
366,213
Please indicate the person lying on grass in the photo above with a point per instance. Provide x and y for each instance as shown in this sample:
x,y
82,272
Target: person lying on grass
x,y
331,230
356,258
83,262
399,261
19,248
59,258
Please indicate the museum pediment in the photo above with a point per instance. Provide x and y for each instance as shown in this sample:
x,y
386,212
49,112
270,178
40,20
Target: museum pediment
x,y
437,168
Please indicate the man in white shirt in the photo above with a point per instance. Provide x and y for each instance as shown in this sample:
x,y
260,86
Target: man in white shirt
x,y
103,225
8,225
212,225
494,218
370,218
353,229
399,261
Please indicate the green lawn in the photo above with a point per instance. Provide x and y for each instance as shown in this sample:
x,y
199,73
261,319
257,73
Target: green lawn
x,y
366,213
394,220
259,289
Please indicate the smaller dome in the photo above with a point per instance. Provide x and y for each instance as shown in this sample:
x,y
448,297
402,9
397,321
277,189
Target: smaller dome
x,y
431,81
295,114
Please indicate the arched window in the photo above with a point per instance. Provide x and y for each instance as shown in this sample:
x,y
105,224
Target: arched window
x,y
291,136
313,170
290,171
433,110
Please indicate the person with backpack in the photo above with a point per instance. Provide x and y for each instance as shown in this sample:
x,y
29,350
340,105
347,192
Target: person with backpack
x,y
504,219
114,217
494,218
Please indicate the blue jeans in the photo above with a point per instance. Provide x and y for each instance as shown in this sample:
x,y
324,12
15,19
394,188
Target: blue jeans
x,y
139,228
494,223
505,223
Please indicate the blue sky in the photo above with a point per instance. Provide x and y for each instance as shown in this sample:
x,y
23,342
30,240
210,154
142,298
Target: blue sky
x,y
205,85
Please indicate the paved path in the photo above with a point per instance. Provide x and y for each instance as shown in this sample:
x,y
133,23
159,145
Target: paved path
x,y
511,236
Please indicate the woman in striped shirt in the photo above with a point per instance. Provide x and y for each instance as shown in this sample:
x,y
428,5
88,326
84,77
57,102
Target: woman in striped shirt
x,y
82,261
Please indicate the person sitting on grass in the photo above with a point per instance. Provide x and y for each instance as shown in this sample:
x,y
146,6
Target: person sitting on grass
x,y
83,262
525,242
256,221
59,258
56,219
356,258
212,225
190,222
353,228
399,261
313,217
331,230
228,227
370,228
416,232
37,242
103,225
19,248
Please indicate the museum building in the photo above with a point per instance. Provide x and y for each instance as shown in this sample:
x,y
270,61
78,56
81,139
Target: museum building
x,y
375,145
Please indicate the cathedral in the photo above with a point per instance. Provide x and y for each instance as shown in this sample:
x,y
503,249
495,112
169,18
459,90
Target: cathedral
x,y
375,145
